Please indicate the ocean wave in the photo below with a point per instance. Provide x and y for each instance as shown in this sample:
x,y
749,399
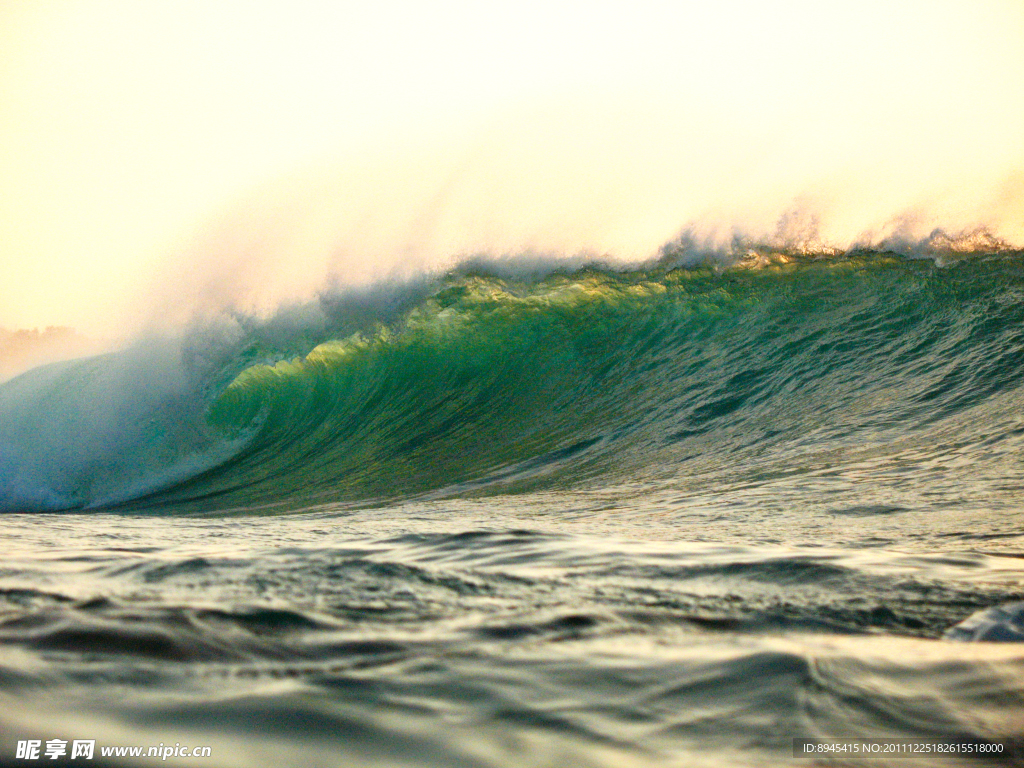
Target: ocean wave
x,y
502,376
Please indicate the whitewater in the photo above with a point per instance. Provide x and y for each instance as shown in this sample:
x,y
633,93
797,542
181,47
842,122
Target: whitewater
x,y
537,512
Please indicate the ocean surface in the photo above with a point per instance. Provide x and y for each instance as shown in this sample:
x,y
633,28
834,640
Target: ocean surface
x,y
535,513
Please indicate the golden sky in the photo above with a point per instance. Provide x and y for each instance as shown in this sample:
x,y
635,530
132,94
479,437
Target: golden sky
x,y
155,156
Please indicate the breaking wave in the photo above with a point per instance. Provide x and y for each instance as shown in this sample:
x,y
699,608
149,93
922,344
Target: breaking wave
x,y
506,376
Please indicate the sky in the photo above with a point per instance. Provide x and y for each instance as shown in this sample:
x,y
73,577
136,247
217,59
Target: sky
x,y
160,158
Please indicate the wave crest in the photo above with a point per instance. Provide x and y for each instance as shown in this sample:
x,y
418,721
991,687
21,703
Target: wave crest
x,y
561,376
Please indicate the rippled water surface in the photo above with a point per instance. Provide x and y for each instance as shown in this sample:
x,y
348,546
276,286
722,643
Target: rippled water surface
x,y
524,634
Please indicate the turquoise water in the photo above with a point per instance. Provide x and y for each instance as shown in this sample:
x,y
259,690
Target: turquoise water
x,y
672,514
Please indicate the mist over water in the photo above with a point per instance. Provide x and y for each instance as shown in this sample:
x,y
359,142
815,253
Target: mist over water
x,y
614,179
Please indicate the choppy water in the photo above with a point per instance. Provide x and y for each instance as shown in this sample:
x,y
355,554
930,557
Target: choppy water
x,y
587,516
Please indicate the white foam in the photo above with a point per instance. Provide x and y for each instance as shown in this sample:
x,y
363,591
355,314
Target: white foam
x,y
1001,624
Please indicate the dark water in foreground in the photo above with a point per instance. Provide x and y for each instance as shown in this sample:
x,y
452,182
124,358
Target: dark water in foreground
x,y
669,517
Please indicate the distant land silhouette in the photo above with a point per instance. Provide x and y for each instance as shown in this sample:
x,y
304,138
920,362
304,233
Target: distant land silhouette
x,y
23,349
